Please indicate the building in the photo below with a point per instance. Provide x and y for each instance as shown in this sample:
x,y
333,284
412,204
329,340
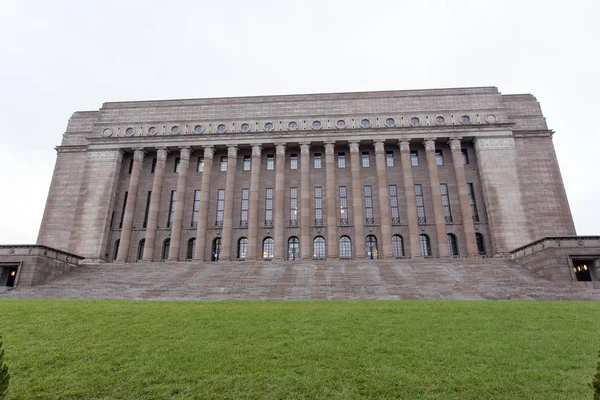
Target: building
x,y
418,173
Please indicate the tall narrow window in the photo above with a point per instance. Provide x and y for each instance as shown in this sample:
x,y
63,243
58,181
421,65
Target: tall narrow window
x,y
369,218
465,156
439,157
165,249
223,164
200,165
293,248
140,252
473,202
341,160
389,158
269,207
425,245
247,162
319,247
177,165
343,206
317,160
191,249
242,248
446,202
480,244
147,209
394,205
420,204
414,158
220,207
268,248
293,206
244,210
153,166
123,210
130,165
171,209
452,245
345,247
270,162
293,161
397,246
366,163
318,206
195,209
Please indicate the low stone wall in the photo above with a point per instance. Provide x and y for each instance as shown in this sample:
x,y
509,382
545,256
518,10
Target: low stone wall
x,y
37,264
551,257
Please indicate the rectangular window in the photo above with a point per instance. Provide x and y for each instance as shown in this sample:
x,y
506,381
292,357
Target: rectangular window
x,y
223,164
446,202
195,208
317,160
465,156
473,202
389,158
153,166
177,164
130,165
123,211
439,157
414,158
318,206
293,161
244,210
365,159
269,207
293,206
341,160
343,206
220,207
369,218
200,165
247,163
270,162
394,205
147,209
171,209
420,204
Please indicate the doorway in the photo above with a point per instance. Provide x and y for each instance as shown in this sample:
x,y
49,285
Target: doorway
x,y
583,270
216,249
8,275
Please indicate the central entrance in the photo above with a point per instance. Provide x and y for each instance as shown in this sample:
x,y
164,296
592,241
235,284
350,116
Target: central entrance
x,y
371,247
216,249
583,270
8,275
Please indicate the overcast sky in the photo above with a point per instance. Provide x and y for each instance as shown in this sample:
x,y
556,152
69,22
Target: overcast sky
x,y
57,57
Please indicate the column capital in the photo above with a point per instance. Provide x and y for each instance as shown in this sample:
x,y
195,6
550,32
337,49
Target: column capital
x,y
161,153
304,148
280,150
256,150
455,144
209,152
232,151
353,147
138,154
429,145
379,146
404,146
329,148
185,152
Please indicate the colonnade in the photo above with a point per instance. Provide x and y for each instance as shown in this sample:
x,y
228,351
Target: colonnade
x,y
331,224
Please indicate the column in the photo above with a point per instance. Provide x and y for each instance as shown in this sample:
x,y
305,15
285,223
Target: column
x,y
134,185
463,197
332,239
209,152
384,199
157,184
358,217
253,240
305,201
436,199
411,202
228,209
184,166
279,209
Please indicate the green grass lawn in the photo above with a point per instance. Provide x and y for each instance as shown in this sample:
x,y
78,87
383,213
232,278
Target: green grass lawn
x,y
300,350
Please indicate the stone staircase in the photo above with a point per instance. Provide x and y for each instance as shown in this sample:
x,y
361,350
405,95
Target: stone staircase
x,y
473,278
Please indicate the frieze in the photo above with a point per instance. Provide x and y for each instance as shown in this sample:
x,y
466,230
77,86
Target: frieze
x,y
104,155
494,143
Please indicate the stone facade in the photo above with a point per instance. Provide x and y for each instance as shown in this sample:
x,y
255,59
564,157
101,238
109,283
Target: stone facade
x,y
435,173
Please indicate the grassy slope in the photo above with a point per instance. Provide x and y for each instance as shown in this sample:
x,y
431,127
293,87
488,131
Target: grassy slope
x,y
275,350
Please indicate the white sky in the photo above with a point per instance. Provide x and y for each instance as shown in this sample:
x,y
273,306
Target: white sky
x,y
57,57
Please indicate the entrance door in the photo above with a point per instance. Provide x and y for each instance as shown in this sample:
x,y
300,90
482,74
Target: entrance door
x,y
8,275
582,270
371,247
216,249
